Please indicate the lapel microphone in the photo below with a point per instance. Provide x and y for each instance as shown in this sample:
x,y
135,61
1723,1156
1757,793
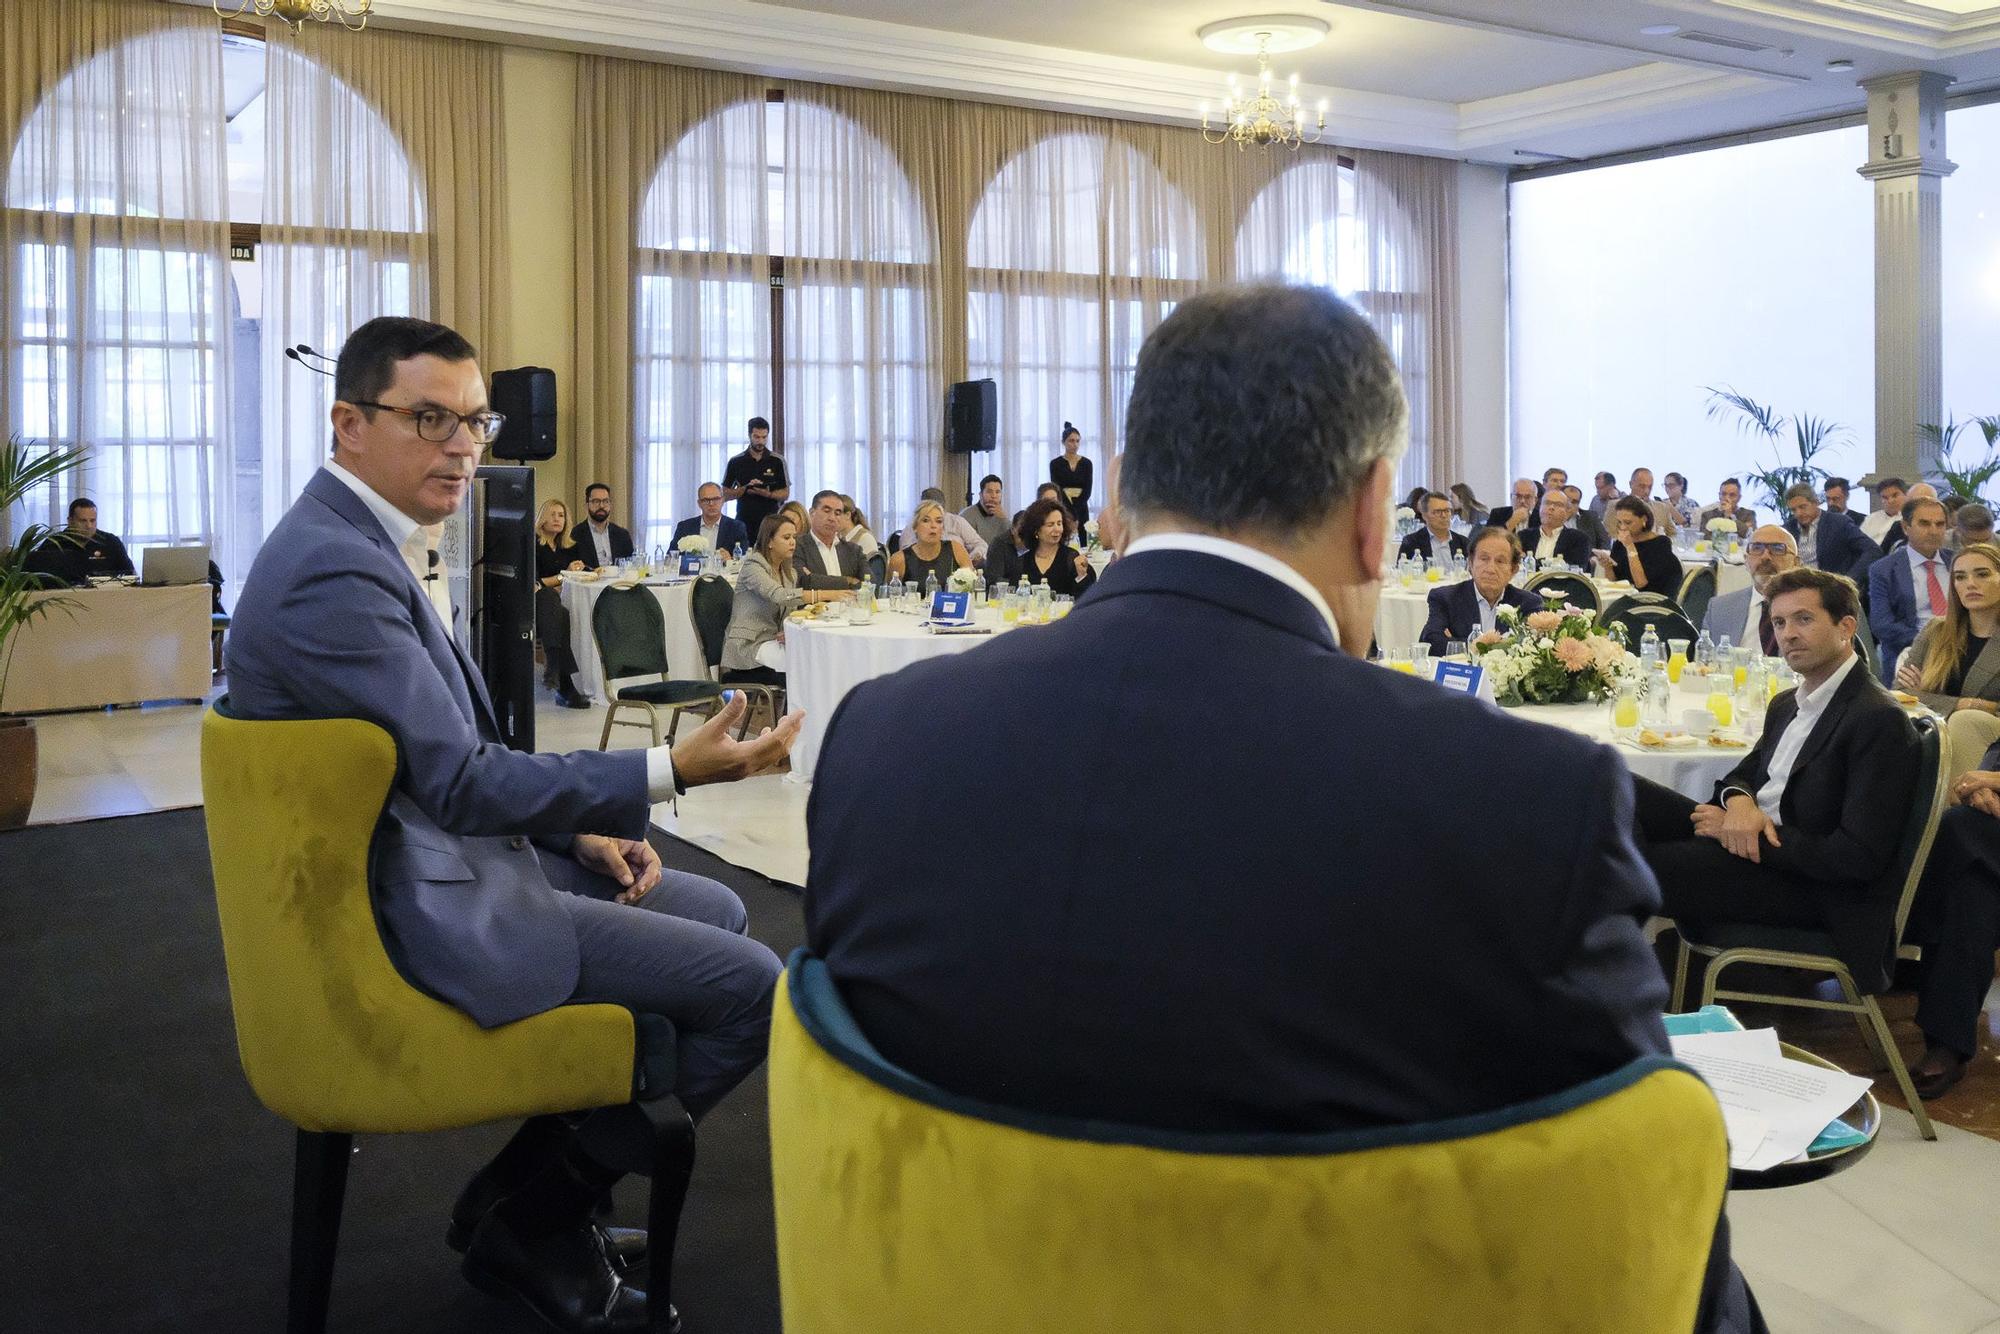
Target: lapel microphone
x,y
434,566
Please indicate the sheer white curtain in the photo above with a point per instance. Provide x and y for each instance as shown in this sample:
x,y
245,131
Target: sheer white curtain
x,y
1407,208
862,400
1078,248
115,240
701,314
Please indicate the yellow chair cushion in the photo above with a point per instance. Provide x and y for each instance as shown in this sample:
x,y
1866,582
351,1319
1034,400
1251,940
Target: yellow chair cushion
x,y
899,1212
330,1034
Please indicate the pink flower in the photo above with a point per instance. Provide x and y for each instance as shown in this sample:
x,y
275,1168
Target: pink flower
x,y
1606,652
1574,654
1542,622
1490,638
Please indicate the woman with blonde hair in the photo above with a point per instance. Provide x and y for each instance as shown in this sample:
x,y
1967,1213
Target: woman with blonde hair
x,y
1954,667
930,552
554,553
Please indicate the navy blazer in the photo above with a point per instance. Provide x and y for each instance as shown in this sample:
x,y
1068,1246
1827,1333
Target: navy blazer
x,y
729,533
620,538
1892,604
332,624
1454,612
1843,547
1420,543
1572,547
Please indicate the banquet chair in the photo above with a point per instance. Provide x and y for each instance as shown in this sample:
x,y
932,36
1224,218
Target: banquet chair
x,y
631,635
710,603
1696,592
878,569
331,1036
1635,615
1563,586
903,1208
1809,949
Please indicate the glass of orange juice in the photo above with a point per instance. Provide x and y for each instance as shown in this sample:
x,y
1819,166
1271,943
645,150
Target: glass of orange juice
x,y
1677,659
1625,712
1721,707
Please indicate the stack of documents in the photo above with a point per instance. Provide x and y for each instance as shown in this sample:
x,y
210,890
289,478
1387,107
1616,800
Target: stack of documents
x,y
1772,1106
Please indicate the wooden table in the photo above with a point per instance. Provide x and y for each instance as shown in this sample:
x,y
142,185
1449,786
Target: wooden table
x,y
116,645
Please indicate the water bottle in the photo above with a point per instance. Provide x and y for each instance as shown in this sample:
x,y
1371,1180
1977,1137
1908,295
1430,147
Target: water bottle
x,y
895,592
1649,647
1704,651
1021,589
659,557
739,551
930,589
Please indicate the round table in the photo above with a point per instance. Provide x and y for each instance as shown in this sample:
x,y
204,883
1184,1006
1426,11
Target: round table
x,y
1865,1116
1400,613
1692,773
684,656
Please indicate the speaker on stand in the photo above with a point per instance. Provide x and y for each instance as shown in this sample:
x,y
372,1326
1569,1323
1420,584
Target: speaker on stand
x,y
526,396
971,422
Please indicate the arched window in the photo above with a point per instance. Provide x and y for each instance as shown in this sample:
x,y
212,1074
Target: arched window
x,y
114,284
1078,248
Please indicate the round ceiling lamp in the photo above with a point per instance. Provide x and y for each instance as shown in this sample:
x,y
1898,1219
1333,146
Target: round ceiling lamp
x,y
1275,33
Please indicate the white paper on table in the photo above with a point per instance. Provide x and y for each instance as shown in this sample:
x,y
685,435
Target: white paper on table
x,y
1794,1100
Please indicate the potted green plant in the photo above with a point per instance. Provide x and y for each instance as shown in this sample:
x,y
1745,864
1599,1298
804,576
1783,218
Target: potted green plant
x,y
1965,480
24,597
1809,436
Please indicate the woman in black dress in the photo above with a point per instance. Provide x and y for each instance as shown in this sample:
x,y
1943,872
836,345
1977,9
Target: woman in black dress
x,y
1048,558
1070,471
554,553
1640,555
931,553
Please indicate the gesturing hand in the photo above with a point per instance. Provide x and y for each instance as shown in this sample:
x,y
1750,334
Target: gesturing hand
x,y
713,755
630,861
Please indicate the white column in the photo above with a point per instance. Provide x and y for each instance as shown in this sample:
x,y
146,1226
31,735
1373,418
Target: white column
x,y
1906,162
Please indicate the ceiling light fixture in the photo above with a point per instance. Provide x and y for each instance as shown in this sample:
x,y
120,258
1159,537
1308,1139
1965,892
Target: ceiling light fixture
x,y
1261,117
350,14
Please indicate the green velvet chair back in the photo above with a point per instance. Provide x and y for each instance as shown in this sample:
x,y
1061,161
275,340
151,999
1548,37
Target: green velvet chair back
x,y
711,602
1556,587
631,633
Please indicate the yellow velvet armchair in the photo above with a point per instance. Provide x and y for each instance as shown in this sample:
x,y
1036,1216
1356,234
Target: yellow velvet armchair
x,y
331,1037
902,1208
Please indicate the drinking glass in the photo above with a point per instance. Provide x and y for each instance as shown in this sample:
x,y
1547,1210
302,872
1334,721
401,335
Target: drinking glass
x,y
1420,659
1399,660
1010,607
1625,711
1060,609
1721,704
1677,659
1739,666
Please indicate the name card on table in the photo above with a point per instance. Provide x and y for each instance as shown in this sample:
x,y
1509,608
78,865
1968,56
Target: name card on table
x,y
1464,678
951,608
691,564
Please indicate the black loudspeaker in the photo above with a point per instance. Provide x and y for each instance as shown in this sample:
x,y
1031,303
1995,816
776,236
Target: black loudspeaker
x,y
971,417
527,397
503,596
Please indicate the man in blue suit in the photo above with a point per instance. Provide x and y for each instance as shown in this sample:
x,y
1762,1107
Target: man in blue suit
x,y
1910,587
1464,611
1250,931
723,533
505,883
1828,540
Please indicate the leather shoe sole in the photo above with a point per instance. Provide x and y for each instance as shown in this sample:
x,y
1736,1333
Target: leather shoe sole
x,y
625,1245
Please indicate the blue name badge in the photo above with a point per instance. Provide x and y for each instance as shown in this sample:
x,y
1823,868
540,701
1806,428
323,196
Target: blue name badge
x,y
1463,677
951,608
691,564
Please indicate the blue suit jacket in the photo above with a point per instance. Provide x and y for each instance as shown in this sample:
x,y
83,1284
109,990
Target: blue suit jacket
x,y
1892,604
1843,547
332,624
1421,543
729,533
1454,612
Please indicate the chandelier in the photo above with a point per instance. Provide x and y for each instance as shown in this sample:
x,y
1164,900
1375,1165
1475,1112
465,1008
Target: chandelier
x,y
1263,119
350,14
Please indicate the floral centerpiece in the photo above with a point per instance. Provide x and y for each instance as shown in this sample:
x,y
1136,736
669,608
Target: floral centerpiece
x,y
1090,536
692,542
1406,521
1552,657
964,579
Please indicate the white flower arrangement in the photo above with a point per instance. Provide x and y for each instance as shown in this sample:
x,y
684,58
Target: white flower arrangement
x,y
1090,532
692,542
965,579
1404,514
1721,527
1553,656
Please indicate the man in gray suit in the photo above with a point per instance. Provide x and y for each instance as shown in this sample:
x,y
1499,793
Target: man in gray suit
x,y
1745,615
824,561
506,884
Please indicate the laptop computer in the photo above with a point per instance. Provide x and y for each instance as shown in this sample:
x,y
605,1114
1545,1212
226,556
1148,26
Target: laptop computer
x,y
174,565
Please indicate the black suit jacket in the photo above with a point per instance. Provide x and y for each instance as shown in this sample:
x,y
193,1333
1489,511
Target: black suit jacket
x,y
729,533
812,569
1499,519
1842,813
621,542
1572,547
1420,543
1454,612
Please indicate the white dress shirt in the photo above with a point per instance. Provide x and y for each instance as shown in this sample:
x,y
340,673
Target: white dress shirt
x,y
1545,546
1262,562
1785,754
1876,526
1489,612
1922,587
829,554
601,539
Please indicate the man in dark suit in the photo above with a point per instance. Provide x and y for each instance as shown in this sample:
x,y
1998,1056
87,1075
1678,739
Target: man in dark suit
x,y
1957,921
1199,947
1465,611
1524,515
506,883
824,560
82,551
1551,537
1435,538
1909,587
722,532
600,541
1802,831
1828,540
1586,522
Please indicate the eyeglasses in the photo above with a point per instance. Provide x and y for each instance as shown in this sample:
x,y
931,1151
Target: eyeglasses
x,y
439,425
1768,548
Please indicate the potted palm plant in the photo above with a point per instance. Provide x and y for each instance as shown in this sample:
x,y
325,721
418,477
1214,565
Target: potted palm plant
x,y
23,597
1810,435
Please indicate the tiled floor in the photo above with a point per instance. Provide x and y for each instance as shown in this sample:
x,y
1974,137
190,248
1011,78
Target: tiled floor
x,y
1903,1243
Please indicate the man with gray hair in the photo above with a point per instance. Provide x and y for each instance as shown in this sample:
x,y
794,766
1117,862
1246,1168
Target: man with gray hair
x,y
1828,540
1745,614
1972,523
1250,884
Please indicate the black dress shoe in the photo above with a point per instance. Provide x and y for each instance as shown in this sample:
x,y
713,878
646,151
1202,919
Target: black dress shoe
x,y
1937,1073
571,701
565,1277
625,1245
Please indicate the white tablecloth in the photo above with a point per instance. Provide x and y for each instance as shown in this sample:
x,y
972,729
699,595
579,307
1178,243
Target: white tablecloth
x,y
1400,613
1693,773
683,648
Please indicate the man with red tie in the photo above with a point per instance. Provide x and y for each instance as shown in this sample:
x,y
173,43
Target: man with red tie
x,y
1906,588
1745,615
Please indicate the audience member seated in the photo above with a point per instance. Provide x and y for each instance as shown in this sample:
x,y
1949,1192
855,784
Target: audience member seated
x,y
1889,496
600,541
1584,521
1972,523
1281,956
719,530
857,529
554,553
1835,491
988,515
1686,509
1664,519
1828,541
767,590
956,529
1641,556
1003,559
1744,616
1954,667
1551,537
1957,922
1728,505
1906,591
926,550
1894,538
1460,613
1520,518
1466,506
82,551
1607,494
1043,535
825,559
1802,830
1435,539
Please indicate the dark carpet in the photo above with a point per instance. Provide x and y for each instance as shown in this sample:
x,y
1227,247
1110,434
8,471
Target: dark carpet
x,y
142,1187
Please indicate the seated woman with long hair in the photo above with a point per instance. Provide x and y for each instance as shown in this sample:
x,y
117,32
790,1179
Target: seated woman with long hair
x,y
1954,667
554,553
932,552
767,588
857,529
1639,555
1043,534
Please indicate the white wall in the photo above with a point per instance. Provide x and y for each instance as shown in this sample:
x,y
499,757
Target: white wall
x,y
1482,330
